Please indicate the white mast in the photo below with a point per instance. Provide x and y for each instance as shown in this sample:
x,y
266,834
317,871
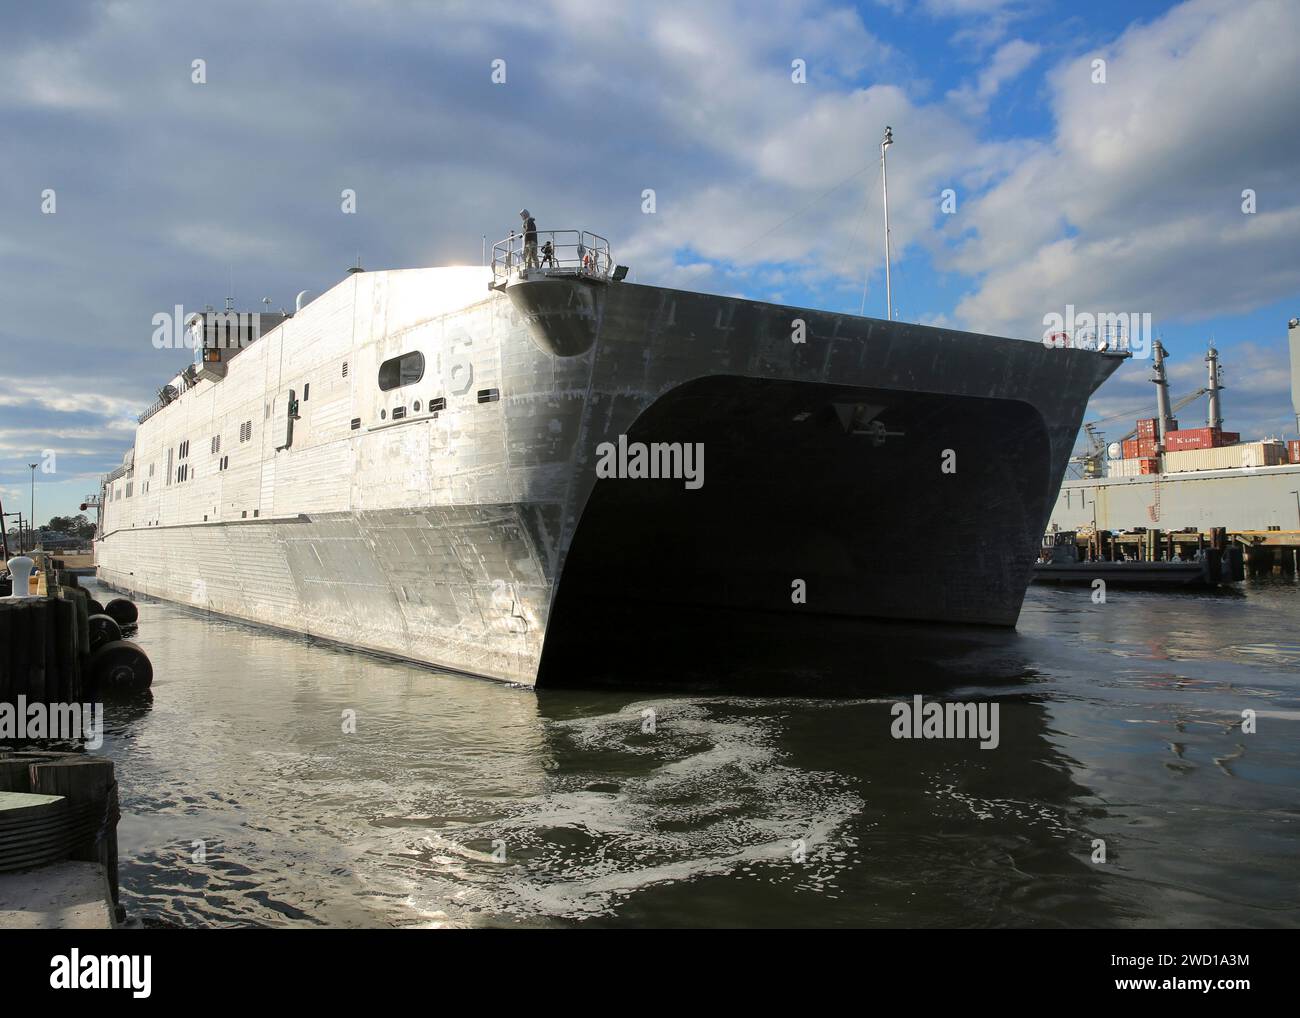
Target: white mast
x,y
884,186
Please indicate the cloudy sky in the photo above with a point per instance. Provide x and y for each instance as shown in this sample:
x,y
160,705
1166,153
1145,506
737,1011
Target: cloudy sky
x,y
1116,195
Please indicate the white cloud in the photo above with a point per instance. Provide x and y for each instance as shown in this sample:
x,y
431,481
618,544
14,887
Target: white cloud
x,y
1135,203
1010,60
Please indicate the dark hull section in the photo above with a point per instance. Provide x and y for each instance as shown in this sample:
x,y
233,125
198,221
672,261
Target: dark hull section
x,y
891,473
790,495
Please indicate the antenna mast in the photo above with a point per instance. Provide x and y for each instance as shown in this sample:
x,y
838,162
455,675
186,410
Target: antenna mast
x,y
884,187
1214,414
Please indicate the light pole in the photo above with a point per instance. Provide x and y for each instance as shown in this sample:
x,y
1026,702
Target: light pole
x,y
1297,505
32,518
5,527
20,530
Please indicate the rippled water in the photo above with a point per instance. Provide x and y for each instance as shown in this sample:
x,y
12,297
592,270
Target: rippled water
x,y
1119,722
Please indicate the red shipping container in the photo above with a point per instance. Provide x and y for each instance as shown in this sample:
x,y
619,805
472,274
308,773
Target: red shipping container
x,y
1195,438
1230,437
1146,427
1130,448
1135,448
1293,451
1149,466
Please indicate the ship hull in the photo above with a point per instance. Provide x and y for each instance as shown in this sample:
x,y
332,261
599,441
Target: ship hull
x,y
848,468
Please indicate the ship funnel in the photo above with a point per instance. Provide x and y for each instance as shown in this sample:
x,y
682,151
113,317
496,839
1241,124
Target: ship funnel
x,y
300,300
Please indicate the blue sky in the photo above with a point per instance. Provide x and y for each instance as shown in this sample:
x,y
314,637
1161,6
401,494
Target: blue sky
x,y
1122,195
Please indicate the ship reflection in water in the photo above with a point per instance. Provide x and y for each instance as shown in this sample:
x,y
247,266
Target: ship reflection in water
x,y
463,802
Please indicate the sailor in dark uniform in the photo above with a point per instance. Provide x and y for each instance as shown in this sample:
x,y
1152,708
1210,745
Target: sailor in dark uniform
x,y
530,239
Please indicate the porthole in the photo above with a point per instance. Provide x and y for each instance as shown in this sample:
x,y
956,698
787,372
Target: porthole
x,y
383,415
415,407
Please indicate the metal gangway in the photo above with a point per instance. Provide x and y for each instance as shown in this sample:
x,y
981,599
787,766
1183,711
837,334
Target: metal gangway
x,y
571,253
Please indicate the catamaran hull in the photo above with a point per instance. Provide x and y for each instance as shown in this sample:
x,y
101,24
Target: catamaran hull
x,y
850,467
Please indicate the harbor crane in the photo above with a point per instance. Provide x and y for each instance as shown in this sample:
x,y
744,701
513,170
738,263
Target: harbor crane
x,y
1089,462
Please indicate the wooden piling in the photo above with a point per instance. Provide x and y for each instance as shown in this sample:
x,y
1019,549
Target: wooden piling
x,y
45,647
87,783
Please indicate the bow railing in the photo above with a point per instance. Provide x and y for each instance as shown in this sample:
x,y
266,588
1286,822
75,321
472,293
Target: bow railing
x,y
556,252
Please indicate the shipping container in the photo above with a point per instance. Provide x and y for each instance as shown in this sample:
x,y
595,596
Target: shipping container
x,y
1139,448
1146,427
1293,451
1195,438
1228,457
1125,467
1231,437
1148,466
1270,453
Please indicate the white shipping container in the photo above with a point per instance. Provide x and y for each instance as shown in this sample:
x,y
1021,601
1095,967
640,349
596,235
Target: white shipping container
x,y
1228,457
1125,468
1265,454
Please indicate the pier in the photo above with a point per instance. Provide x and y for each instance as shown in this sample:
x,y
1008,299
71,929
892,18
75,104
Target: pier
x,y
58,841
59,650
1272,551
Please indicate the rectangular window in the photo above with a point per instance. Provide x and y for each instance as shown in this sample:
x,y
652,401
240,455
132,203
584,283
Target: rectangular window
x,y
489,395
440,403
399,412
356,423
404,370
171,453
345,369
216,444
306,390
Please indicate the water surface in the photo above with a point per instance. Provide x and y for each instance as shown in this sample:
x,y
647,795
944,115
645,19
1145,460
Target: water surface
x,y
464,802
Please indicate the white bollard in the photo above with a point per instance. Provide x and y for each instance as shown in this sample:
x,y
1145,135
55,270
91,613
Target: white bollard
x,y
20,571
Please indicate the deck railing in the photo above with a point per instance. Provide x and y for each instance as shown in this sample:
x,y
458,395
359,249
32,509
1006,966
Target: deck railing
x,y
571,253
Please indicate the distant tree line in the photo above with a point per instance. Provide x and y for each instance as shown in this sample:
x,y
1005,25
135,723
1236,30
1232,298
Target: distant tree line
x,y
77,527
74,526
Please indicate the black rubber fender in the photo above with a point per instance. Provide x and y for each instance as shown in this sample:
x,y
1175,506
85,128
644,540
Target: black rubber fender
x,y
103,629
121,666
123,611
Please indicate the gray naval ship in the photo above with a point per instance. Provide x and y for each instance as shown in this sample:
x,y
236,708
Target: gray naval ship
x,y
499,470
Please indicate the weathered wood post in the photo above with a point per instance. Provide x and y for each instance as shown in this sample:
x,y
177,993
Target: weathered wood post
x,y
88,784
